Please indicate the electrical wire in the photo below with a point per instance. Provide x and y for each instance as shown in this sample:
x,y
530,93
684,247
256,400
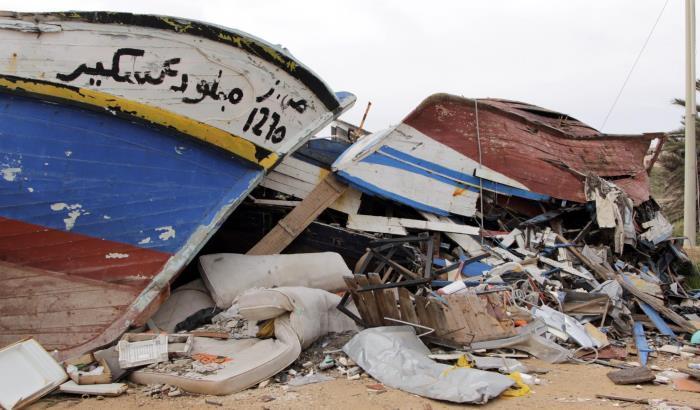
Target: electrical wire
x,y
636,60
481,181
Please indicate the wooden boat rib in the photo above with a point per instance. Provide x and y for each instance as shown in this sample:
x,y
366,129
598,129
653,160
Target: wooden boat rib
x,y
435,161
125,141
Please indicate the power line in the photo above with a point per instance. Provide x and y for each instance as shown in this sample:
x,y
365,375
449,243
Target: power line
x,y
636,60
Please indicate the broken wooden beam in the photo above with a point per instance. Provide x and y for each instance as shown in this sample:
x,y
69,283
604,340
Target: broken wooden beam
x,y
658,305
287,229
397,226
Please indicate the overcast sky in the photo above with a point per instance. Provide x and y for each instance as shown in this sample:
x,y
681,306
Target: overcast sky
x,y
569,56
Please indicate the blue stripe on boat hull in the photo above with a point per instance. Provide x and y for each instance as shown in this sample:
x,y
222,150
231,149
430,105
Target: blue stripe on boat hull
x,y
114,179
371,189
427,168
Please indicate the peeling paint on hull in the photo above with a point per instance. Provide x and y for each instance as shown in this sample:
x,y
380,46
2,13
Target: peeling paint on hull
x,y
434,161
112,177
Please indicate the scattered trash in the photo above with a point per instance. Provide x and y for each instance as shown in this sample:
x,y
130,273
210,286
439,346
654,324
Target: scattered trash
x,y
109,389
213,402
686,384
140,349
309,379
633,375
87,370
463,236
299,316
34,374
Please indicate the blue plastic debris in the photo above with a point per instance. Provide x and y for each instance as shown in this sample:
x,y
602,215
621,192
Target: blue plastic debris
x,y
640,340
656,319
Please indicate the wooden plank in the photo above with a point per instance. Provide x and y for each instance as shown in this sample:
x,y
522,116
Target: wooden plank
x,y
459,330
404,271
362,263
383,224
86,317
424,317
378,295
437,316
484,325
327,191
357,299
658,306
52,341
275,202
298,178
373,313
566,268
379,226
65,301
408,312
387,299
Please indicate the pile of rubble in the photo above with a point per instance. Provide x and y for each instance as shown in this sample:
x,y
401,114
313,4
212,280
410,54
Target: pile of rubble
x,y
436,306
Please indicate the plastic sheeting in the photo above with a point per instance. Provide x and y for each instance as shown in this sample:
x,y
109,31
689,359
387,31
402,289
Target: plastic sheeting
x,y
227,275
396,357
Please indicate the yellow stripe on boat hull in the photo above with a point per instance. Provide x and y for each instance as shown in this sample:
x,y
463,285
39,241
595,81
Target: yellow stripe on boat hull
x,y
234,144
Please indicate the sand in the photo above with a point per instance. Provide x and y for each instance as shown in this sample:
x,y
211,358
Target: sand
x,y
566,386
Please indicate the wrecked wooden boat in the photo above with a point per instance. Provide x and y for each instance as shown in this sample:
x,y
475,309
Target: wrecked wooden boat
x,y
449,149
126,141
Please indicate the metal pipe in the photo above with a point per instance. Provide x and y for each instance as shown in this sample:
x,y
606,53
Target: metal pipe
x,y
690,194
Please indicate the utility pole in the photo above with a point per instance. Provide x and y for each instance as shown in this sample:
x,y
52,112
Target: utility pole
x,y
691,173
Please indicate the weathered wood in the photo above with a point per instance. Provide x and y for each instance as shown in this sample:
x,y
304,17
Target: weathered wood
x,y
602,273
327,191
363,262
386,301
633,375
459,330
658,306
424,317
643,401
408,311
298,178
61,311
483,325
396,266
437,317
212,335
397,226
374,317
359,301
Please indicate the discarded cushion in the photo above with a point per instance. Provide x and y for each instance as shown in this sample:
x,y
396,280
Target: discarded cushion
x,y
227,275
182,303
301,315
313,313
253,360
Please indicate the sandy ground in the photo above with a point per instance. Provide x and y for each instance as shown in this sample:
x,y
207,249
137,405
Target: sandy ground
x,y
567,386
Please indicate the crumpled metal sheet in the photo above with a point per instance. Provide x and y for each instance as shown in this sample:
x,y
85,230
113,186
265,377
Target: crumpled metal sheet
x,y
529,340
565,325
396,357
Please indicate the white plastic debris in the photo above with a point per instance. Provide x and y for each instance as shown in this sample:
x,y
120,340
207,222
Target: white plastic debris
x,y
139,350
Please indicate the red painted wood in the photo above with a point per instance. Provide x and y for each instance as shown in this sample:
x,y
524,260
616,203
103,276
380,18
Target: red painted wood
x,y
26,244
526,143
59,287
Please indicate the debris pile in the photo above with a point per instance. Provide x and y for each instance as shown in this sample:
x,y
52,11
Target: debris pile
x,y
442,305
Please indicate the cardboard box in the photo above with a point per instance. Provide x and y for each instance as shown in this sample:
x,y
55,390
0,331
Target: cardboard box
x,y
84,360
